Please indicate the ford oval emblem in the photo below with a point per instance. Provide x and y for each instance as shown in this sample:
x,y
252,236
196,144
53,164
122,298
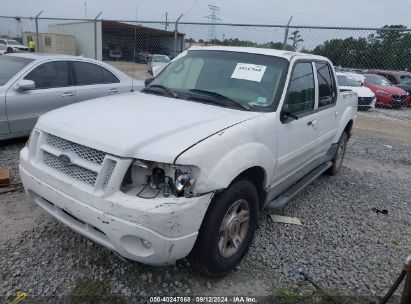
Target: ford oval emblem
x,y
65,159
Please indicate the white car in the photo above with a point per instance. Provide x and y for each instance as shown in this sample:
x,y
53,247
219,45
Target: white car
x,y
360,78
186,166
12,46
157,63
366,97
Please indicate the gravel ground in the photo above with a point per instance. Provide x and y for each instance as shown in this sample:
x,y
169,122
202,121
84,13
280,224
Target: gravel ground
x,y
342,244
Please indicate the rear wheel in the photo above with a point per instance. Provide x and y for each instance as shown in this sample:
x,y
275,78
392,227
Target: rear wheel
x,y
227,230
339,155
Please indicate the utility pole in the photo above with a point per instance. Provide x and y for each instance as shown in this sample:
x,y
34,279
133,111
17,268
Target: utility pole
x,y
85,9
213,19
37,31
287,29
166,26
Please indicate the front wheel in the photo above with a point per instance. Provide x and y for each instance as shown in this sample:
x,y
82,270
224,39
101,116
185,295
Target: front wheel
x,y
339,155
227,230
9,50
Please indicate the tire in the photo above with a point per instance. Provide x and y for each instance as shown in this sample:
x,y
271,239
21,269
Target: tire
x,y
206,256
9,50
339,155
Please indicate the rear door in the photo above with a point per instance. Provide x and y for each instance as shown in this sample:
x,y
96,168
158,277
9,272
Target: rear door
x,y
297,145
53,89
93,81
328,115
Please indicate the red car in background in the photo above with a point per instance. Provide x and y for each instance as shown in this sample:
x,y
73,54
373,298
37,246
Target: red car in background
x,y
387,93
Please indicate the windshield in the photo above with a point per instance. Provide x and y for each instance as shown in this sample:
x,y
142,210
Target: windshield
x,y
252,80
405,79
10,65
377,80
160,58
347,82
12,42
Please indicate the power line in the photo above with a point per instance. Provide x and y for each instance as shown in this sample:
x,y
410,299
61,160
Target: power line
x,y
213,19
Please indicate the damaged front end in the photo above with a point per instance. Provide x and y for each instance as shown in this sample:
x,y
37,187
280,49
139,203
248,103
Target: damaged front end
x,y
149,180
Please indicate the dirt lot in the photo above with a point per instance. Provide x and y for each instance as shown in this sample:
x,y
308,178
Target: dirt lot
x,y
136,70
343,243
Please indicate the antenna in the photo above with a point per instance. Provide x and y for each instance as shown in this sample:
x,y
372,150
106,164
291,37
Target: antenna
x,y
85,9
213,18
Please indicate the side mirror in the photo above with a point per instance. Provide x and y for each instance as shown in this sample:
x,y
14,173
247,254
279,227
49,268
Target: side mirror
x,y
25,85
285,114
148,80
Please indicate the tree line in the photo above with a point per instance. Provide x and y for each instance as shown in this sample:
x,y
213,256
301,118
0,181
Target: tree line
x,y
389,48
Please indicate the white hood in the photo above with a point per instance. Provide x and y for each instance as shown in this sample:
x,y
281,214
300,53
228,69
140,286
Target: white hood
x,y
361,91
140,125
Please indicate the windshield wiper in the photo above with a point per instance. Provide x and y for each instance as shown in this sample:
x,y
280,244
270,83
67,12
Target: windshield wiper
x,y
160,86
220,97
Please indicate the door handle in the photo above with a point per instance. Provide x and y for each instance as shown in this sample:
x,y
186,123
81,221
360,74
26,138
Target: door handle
x,y
113,90
312,123
67,94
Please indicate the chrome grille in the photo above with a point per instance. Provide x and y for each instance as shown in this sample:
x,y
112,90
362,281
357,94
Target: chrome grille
x,y
74,171
399,97
111,166
90,154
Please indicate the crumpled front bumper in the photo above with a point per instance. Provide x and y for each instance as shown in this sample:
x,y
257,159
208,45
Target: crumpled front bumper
x,y
156,232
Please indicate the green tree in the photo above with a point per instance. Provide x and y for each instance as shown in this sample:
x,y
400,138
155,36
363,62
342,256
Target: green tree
x,y
295,39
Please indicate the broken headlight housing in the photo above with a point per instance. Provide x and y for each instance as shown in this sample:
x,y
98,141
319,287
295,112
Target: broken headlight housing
x,y
148,179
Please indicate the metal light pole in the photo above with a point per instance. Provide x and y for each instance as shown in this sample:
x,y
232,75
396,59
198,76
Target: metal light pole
x,y
95,35
175,35
287,28
37,30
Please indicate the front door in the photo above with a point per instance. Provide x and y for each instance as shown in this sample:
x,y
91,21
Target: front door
x,y
52,90
297,138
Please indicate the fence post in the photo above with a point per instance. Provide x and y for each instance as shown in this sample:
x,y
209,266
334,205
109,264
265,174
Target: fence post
x,y
287,28
37,31
95,35
176,35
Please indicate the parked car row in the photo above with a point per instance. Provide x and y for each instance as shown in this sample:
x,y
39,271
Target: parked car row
x,y
32,84
391,88
135,55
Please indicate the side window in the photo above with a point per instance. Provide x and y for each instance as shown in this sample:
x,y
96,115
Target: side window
x,y
301,92
109,77
2,42
50,75
87,73
326,88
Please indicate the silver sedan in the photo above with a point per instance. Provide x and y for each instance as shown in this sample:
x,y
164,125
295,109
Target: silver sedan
x,y
32,84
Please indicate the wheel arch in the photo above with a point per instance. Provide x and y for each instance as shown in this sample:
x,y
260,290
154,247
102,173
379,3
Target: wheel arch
x,y
258,177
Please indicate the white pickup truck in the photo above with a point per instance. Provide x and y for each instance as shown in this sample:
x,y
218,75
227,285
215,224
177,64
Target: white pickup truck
x,y
185,167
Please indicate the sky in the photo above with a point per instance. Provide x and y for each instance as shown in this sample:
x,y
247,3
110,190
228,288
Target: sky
x,y
350,13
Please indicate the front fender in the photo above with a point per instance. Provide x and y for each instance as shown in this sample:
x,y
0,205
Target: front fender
x,y
224,156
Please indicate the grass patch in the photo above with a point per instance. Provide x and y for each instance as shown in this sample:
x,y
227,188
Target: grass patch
x,y
87,291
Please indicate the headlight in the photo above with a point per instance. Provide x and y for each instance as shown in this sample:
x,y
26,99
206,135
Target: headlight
x,y
383,92
148,179
30,139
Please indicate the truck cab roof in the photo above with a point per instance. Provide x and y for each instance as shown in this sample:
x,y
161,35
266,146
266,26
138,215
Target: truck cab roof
x,y
262,51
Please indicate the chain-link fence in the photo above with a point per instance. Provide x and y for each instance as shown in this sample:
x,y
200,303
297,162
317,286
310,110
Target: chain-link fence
x,y
375,60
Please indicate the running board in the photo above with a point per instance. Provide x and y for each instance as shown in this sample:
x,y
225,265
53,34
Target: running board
x,y
287,195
